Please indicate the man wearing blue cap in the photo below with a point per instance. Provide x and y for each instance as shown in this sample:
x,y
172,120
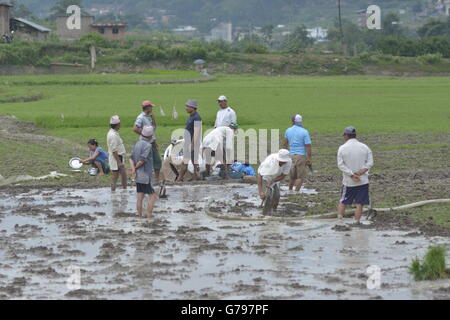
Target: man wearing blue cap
x,y
298,141
354,159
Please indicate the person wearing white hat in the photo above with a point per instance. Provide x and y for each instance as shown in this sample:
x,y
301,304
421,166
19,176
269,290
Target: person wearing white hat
x,y
226,115
141,163
274,169
116,150
298,141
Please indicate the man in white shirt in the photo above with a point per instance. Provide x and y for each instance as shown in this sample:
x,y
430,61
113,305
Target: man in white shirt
x,y
226,115
354,159
274,169
213,145
117,152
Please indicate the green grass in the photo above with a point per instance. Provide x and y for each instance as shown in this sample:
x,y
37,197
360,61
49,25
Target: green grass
x,y
433,266
98,79
373,104
436,214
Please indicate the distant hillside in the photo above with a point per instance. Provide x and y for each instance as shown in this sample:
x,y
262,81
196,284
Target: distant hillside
x,y
244,13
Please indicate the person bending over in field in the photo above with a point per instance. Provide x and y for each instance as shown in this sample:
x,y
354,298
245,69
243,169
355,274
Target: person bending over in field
x,y
141,163
271,172
98,158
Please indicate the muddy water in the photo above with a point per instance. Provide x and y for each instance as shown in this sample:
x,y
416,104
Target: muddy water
x,y
184,254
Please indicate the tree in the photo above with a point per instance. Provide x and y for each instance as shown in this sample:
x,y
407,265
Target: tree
x,y
267,32
435,27
20,11
417,7
298,41
60,7
391,24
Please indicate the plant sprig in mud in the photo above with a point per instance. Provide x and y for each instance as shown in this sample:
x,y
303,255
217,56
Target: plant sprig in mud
x,y
433,266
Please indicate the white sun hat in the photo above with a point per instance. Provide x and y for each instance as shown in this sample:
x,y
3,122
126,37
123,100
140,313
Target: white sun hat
x,y
283,155
115,120
222,98
147,131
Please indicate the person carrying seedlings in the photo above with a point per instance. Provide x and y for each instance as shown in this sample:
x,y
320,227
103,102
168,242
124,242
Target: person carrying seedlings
x,y
117,152
192,139
213,146
354,159
98,158
226,115
298,141
141,163
146,118
271,172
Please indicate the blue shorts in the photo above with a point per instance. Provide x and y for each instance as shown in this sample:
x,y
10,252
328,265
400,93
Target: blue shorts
x,y
358,195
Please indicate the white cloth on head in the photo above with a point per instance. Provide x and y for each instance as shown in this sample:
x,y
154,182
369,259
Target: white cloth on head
x,y
225,117
271,169
216,137
353,156
115,144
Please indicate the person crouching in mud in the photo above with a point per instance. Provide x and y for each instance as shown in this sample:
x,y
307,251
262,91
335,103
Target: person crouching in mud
x,y
98,158
271,172
141,163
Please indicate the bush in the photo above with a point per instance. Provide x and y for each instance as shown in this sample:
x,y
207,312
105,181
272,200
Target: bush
x,y
253,47
430,58
94,39
433,266
149,53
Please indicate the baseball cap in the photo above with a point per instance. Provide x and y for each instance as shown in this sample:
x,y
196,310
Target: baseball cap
x,y
147,103
192,103
297,118
147,131
234,125
222,98
283,155
114,120
350,130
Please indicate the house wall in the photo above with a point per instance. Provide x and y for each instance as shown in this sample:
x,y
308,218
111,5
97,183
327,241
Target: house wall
x,y
4,20
65,34
30,34
109,33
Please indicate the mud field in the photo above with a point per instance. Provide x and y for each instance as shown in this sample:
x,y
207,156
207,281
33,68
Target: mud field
x,y
184,254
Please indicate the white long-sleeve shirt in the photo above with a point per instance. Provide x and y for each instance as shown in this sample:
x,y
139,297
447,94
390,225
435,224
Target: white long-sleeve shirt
x,y
217,137
225,117
353,156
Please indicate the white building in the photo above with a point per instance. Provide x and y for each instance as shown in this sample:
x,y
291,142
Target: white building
x,y
318,33
223,31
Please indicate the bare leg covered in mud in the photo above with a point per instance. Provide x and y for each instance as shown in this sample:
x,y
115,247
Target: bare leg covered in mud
x,y
150,204
358,212
123,178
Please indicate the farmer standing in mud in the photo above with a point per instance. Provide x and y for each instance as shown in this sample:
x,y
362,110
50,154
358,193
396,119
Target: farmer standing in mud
x,y
226,115
117,152
298,141
141,163
354,159
192,139
146,118
271,172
